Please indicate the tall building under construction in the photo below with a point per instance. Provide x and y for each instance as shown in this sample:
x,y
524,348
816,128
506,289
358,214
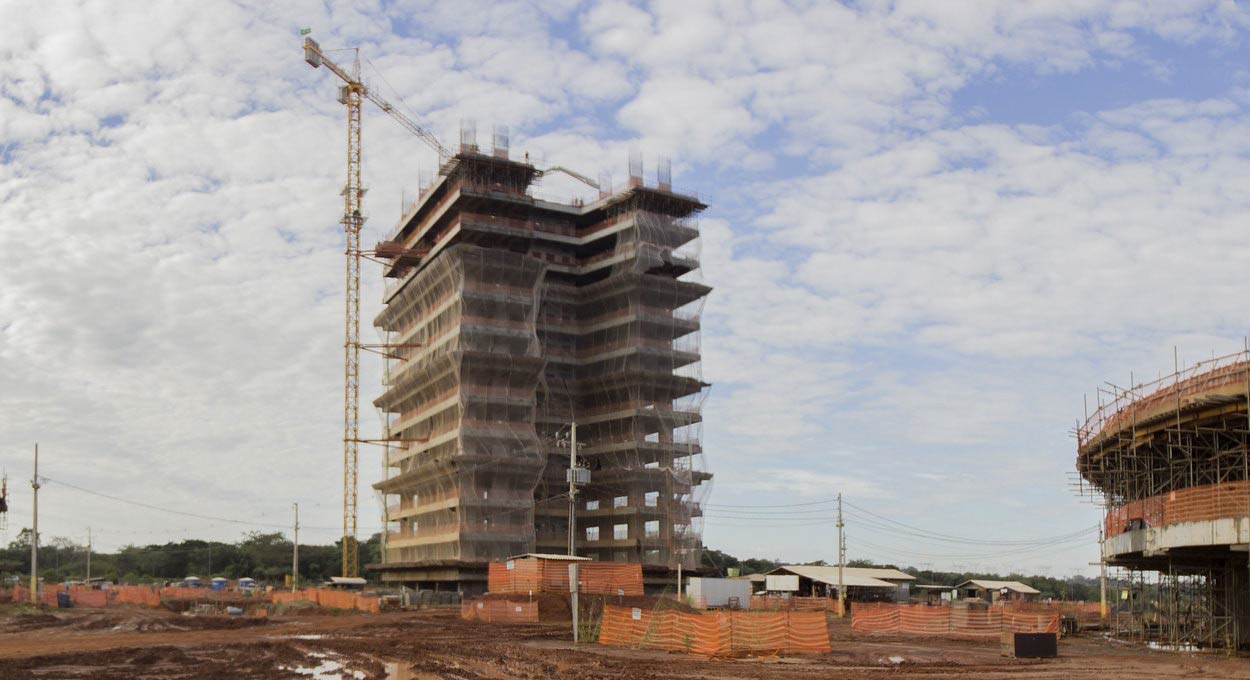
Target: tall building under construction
x,y
509,318
1169,460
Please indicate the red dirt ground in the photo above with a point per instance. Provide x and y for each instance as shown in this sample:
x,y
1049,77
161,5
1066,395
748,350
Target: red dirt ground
x,y
141,643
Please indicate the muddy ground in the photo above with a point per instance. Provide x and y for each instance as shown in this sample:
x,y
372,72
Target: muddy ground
x,y
142,643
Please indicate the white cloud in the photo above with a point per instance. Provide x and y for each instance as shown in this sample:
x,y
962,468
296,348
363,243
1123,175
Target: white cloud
x,y
983,240
896,289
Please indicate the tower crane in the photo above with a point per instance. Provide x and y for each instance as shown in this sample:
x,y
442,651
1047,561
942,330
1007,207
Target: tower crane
x,y
351,95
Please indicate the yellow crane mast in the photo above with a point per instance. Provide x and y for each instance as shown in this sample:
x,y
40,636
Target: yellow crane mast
x,y
351,95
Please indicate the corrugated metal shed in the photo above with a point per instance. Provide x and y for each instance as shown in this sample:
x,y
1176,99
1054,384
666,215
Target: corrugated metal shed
x,y
1014,586
551,556
860,577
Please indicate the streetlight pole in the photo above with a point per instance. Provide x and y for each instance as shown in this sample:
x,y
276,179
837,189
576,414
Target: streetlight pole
x,y
295,553
573,489
576,476
34,534
841,563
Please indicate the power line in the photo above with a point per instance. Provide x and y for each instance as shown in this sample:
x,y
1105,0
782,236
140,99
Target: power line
x,y
925,533
822,512
780,512
1022,552
783,505
158,508
738,523
810,517
945,538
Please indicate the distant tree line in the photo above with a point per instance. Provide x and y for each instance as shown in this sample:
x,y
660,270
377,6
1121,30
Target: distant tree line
x,y
1074,588
259,555
267,557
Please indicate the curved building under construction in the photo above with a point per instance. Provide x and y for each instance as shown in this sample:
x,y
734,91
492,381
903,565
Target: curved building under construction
x,y
1169,462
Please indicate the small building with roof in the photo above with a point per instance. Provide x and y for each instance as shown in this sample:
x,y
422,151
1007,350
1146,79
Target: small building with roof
x,y
757,581
550,557
863,584
347,582
996,591
931,594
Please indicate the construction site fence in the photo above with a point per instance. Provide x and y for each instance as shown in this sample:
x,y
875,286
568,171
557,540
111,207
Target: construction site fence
x,y
1192,504
794,604
943,621
527,576
1086,613
500,611
78,598
721,633
335,599
151,596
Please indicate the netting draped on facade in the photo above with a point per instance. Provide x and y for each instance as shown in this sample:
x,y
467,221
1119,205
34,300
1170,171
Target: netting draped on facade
x,y
463,395
623,360
512,318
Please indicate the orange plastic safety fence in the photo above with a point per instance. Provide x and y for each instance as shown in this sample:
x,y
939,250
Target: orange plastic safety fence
x,y
1192,504
89,598
185,593
336,599
47,595
794,604
1087,613
144,595
902,619
500,611
723,633
528,575
517,576
609,578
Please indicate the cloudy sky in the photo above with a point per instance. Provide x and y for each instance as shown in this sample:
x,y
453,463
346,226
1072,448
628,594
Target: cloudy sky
x,y
935,227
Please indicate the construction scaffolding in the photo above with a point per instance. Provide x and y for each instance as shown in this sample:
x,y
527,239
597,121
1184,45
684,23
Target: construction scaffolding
x,y
511,317
1169,463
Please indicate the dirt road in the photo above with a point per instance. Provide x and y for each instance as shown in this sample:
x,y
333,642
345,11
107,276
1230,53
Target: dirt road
x,y
121,643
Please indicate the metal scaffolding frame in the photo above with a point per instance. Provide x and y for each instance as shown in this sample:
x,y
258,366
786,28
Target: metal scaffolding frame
x,y
1163,453
509,318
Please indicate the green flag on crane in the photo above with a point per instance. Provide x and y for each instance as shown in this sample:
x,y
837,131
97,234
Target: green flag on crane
x,y
305,31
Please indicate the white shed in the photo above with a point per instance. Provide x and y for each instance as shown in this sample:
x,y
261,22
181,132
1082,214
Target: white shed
x,y
712,593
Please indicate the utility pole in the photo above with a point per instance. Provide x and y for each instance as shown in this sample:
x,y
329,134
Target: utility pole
x,y
34,534
295,553
841,563
573,489
574,576
573,584
1245,459
680,558
88,555
576,476
1102,573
